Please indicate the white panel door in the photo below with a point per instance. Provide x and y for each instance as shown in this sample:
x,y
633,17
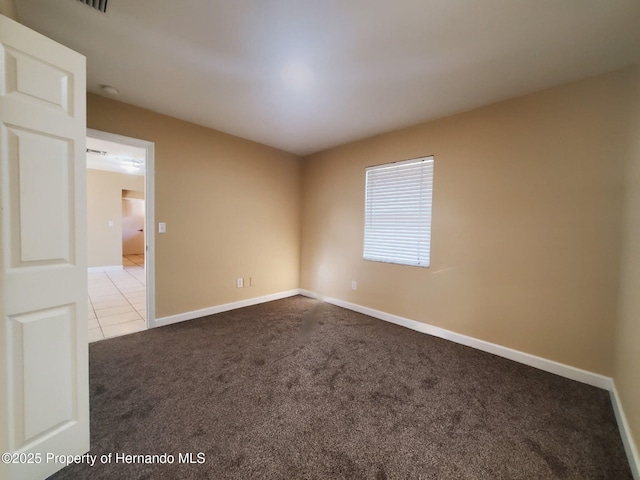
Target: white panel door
x,y
44,391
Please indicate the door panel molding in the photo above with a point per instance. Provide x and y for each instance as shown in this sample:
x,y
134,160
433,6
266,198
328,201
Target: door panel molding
x,y
44,364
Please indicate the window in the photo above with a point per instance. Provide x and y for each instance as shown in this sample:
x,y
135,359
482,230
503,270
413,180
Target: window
x,y
397,212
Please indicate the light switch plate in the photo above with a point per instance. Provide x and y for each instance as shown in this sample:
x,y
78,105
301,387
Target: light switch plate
x,y
162,227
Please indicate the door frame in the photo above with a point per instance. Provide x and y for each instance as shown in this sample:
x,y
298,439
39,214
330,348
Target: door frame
x,y
149,210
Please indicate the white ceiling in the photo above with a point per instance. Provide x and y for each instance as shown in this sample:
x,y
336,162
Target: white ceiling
x,y
116,157
362,67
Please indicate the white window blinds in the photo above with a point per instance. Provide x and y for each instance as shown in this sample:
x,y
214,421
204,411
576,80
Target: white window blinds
x,y
397,218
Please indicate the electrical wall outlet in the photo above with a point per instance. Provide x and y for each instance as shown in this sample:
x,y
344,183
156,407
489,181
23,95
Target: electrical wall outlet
x,y
239,283
354,285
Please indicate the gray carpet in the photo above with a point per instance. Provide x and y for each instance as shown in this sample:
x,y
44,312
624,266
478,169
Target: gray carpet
x,y
294,389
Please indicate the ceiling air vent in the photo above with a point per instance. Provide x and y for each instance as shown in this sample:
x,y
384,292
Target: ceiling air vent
x,y
96,152
97,4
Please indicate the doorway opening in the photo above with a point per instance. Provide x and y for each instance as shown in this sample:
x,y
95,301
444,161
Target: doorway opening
x,y
132,223
120,240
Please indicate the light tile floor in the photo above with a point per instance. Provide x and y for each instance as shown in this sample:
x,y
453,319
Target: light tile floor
x,y
117,300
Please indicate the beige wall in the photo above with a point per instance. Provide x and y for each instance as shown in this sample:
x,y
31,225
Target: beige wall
x,y
527,225
104,204
231,207
526,222
627,352
8,9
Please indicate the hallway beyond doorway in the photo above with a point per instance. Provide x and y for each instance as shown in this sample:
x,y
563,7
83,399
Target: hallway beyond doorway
x,y
117,300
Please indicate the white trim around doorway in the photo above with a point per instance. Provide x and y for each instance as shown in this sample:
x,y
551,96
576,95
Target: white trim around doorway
x,y
149,227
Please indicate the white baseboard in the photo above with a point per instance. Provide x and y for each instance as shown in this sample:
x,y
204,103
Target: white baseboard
x,y
540,363
625,432
108,268
181,317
